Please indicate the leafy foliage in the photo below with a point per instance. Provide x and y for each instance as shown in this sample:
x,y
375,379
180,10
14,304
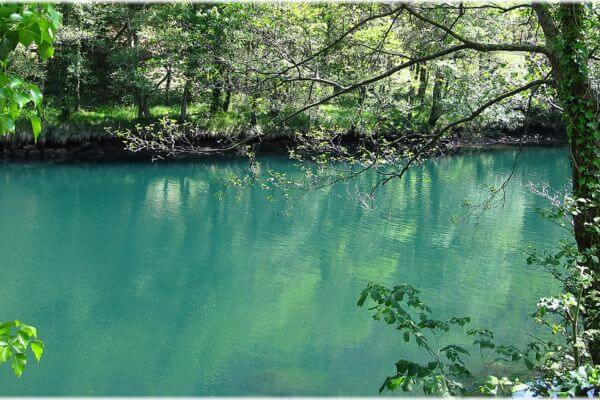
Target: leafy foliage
x,y
446,373
25,25
223,57
16,339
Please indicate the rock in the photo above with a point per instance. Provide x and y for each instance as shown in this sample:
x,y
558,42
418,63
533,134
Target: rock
x,y
87,146
19,153
62,153
29,147
35,154
89,155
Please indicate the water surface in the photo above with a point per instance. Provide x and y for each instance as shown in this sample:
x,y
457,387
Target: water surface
x,y
143,280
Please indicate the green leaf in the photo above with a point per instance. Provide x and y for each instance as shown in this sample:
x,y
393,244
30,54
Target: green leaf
x,y
37,346
7,124
23,339
4,354
29,330
54,16
20,99
35,95
363,297
14,82
10,123
8,9
5,327
28,36
7,45
36,126
45,50
18,364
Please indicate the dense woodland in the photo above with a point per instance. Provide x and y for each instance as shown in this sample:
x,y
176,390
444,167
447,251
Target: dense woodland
x,y
230,67
398,78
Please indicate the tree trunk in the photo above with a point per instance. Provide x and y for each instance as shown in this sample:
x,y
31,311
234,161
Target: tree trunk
x,y
184,100
423,75
253,117
227,100
132,41
362,95
569,63
581,110
414,69
215,99
142,106
168,87
436,108
78,76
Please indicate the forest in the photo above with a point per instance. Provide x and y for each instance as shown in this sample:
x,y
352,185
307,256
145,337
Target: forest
x,y
307,104
228,67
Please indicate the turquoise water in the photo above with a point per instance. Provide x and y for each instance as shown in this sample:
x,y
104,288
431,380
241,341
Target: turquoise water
x,y
142,281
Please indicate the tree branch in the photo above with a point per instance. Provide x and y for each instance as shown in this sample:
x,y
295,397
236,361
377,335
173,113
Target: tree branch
x,y
476,45
545,20
492,6
490,103
339,39
379,77
314,79
439,133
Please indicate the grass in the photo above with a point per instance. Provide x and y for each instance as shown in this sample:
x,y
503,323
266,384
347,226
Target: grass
x,y
88,123
91,123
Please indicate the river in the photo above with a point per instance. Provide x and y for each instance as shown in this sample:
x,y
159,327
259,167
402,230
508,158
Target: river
x,y
149,279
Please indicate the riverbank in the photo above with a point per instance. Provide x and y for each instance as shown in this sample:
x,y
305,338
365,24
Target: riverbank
x,y
110,148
